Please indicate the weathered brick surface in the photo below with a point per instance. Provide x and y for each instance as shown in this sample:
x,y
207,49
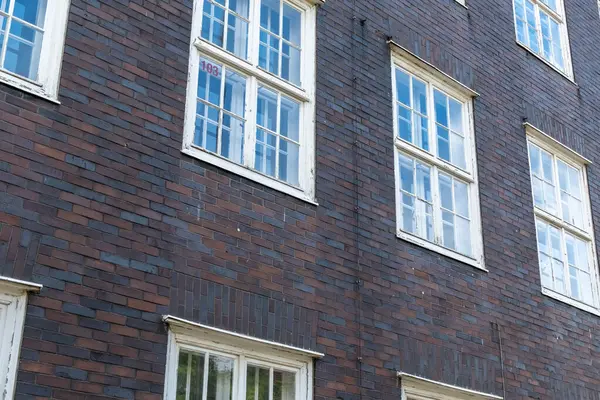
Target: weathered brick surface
x,y
98,204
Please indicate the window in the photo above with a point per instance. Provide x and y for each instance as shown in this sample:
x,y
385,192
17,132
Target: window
x,y
437,195
565,239
13,302
250,103
206,363
418,388
32,35
541,27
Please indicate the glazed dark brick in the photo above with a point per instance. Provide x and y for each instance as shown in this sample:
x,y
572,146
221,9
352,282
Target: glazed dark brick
x,y
99,205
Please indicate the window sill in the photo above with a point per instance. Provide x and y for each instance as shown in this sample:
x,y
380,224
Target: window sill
x,y
462,3
249,174
26,85
479,264
562,73
570,301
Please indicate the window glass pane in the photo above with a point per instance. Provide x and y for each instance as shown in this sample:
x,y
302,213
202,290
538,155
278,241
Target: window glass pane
x,y
240,7
423,182
237,36
290,118
257,383
551,4
417,210
441,108
585,281
461,198
220,378
277,152
182,372
290,63
457,148
448,229
213,23
443,142
292,20
212,124
563,176
574,182
269,15
557,45
546,271
546,37
535,160
289,154
558,269
32,11
23,50
463,236
190,371
419,96
456,116
284,385
421,133
406,174
214,18
403,87
574,283
404,124
266,115
521,21
446,192
531,26
547,166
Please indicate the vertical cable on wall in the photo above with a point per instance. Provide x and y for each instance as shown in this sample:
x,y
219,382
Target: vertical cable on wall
x,y
357,30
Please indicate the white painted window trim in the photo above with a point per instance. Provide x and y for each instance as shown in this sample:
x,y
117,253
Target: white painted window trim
x,y
55,28
305,95
567,155
419,388
13,295
434,78
559,17
191,336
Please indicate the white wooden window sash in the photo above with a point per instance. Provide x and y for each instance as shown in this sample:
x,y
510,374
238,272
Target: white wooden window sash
x,y
51,39
584,233
557,16
439,165
245,352
13,305
255,77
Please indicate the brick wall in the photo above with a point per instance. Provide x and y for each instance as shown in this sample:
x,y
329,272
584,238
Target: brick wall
x,y
98,204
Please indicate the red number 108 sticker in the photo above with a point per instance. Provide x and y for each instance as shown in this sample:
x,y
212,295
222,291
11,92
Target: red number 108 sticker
x,y
209,68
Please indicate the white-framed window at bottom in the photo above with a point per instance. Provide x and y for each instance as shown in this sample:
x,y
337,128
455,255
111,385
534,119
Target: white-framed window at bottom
x,y
420,388
564,229
437,197
13,305
205,363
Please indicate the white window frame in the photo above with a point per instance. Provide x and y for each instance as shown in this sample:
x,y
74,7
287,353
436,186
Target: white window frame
x,y
419,388
55,28
13,298
434,78
195,337
575,160
559,17
305,95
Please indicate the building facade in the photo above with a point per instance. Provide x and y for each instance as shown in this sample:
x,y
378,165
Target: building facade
x,y
299,199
